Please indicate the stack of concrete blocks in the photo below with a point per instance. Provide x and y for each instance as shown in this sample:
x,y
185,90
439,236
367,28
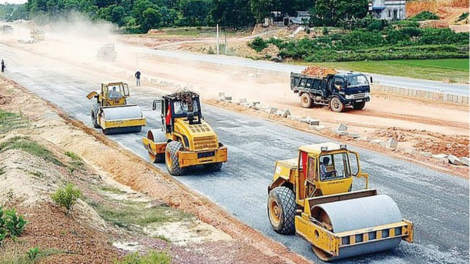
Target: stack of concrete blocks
x,y
342,130
256,105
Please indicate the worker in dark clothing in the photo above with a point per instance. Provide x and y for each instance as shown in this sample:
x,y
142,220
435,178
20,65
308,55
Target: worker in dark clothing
x,y
137,78
3,66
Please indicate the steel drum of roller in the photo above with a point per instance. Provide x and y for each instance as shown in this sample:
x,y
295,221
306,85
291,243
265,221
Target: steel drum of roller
x,y
357,214
122,112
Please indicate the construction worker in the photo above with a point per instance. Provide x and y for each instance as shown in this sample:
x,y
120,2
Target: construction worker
x,y
137,78
3,66
113,93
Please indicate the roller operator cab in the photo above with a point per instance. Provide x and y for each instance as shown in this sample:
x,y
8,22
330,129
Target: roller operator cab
x,y
315,197
335,90
185,138
111,111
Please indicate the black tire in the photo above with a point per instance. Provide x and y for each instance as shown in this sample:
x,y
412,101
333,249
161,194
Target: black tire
x,y
281,210
94,119
213,166
336,105
359,106
159,158
306,101
171,158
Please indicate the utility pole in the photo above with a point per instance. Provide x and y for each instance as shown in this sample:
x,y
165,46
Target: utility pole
x,y
217,39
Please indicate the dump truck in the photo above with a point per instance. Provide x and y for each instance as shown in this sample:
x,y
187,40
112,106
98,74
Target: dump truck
x,y
314,196
185,138
107,52
334,90
112,113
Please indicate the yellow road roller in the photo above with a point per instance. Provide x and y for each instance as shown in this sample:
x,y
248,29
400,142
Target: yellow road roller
x,y
111,112
313,196
185,138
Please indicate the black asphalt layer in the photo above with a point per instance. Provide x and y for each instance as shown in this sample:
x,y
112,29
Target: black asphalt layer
x,y
437,203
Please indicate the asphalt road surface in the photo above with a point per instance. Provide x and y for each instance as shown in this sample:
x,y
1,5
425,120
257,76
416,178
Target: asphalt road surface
x,y
403,82
437,203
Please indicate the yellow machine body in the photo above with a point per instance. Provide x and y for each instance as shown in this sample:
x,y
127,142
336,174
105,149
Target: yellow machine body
x,y
197,139
316,198
185,138
111,111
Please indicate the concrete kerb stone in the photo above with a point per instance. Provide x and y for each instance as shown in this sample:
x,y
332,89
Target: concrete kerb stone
x,y
440,156
285,113
342,127
464,160
242,100
312,122
425,154
377,141
454,160
318,127
341,133
391,143
354,135
272,110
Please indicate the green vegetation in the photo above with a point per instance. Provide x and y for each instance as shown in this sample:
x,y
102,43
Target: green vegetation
x,y
11,224
112,190
76,163
33,255
452,70
425,15
392,43
29,146
128,214
66,197
152,257
10,121
462,17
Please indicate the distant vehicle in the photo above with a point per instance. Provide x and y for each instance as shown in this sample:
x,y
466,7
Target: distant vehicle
x,y
335,90
37,35
107,52
6,29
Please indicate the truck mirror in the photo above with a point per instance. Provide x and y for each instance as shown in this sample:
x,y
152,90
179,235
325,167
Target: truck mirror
x,y
371,81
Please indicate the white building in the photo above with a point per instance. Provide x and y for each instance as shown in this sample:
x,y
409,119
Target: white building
x,y
388,9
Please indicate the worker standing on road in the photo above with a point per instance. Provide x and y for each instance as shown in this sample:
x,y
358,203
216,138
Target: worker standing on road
x,y
137,78
3,66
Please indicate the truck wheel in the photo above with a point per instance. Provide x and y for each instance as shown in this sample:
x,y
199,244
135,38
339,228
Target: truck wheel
x,y
213,166
281,210
94,119
171,158
306,101
157,158
359,106
336,105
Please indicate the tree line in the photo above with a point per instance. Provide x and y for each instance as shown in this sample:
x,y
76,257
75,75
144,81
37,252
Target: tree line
x,y
141,15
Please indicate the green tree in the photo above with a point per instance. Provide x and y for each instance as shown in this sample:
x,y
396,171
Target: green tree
x,y
151,19
195,11
232,13
330,12
261,9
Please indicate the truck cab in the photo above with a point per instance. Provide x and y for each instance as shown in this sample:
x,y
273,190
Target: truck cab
x,y
334,90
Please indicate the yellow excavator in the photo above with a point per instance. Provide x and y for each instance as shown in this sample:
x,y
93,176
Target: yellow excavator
x,y
314,196
185,139
112,113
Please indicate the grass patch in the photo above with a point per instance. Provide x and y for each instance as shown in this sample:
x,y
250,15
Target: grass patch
x,y
33,255
37,174
10,121
128,214
27,145
453,70
75,163
149,258
112,190
164,238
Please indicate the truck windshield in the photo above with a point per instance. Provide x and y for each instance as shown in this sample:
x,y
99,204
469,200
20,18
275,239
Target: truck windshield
x,y
357,80
182,108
